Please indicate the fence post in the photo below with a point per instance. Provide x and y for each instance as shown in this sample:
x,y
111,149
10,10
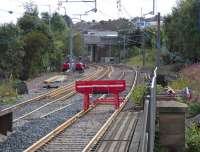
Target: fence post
x,y
144,138
152,113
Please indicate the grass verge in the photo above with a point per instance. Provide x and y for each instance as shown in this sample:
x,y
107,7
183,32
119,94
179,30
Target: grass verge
x,y
138,59
138,95
8,94
193,138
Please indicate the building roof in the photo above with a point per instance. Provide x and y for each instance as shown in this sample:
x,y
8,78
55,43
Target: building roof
x,y
102,33
100,37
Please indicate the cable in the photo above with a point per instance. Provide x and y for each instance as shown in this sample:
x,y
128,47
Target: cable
x,y
92,10
98,10
20,1
127,13
119,5
105,14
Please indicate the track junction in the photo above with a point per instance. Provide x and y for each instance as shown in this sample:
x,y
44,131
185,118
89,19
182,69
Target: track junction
x,y
76,130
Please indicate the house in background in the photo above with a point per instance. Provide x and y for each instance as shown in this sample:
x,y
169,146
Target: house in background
x,y
142,23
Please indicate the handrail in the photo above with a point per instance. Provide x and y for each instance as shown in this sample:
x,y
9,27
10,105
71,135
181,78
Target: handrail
x,y
149,118
144,139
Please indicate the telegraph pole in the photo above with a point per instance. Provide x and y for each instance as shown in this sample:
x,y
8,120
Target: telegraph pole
x,y
49,17
153,7
143,49
70,26
199,14
70,41
124,46
158,41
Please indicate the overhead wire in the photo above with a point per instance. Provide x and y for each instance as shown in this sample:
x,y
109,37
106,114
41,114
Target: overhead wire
x,y
100,11
127,13
105,14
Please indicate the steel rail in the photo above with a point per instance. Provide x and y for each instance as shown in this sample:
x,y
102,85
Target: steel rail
x,y
70,94
71,121
45,105
101,132
55,132
62,89
16,106
67,98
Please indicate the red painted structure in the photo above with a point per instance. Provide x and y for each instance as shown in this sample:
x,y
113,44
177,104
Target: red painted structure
x,y
101,87
79,66
65,67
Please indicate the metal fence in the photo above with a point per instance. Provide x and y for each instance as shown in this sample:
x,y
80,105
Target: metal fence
x,y
149,118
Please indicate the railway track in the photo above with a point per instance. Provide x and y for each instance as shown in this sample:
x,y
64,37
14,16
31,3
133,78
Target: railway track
x,y
56,104
50,94
124,133
118,137
79,130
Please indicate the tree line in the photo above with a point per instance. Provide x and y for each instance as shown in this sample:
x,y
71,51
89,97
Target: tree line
x,y
34,44
182,30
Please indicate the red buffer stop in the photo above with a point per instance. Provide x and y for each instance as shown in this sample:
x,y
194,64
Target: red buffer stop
x,y
101,87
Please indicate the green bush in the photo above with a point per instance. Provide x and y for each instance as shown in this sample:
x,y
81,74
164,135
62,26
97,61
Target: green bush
x,y
180,83
193,138
7,90
138,95
182,99
194,109
8,100
8,94
159,89
138,59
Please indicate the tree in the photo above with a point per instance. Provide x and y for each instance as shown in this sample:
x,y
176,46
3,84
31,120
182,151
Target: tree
x,y
35,44
29,47
11,50
45,17
31,8
182,31
77,45
37,41
58,23
60,36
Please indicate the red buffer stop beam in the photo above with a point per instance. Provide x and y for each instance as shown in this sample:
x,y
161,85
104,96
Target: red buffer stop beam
x,y
101,87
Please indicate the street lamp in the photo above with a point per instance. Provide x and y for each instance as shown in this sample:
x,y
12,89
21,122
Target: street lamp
x,y
158,41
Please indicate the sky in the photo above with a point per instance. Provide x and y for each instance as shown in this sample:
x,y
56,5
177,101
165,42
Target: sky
x,y
106,9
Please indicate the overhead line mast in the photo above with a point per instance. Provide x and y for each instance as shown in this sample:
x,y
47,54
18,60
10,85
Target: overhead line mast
x,y
70,26
119,5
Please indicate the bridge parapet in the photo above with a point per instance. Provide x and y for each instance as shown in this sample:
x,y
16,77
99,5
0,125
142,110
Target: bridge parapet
x,y
172,125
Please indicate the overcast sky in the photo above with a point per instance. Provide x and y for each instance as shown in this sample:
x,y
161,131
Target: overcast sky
x,y
107,9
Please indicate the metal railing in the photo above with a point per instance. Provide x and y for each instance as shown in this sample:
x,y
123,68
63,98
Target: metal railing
x,y
149,118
